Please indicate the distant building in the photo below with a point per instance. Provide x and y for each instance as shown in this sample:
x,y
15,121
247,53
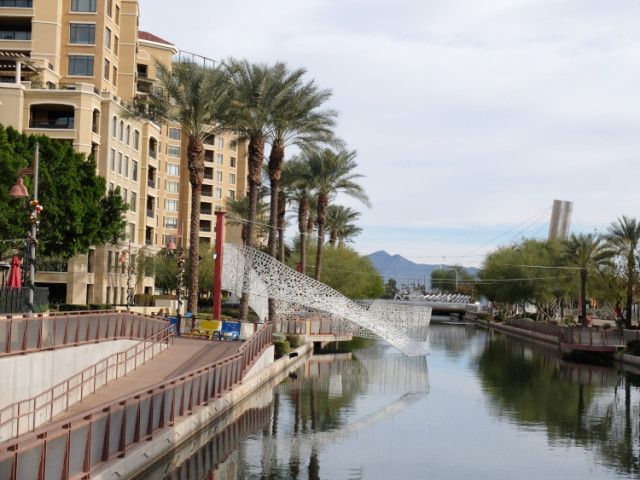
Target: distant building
x,y
67,70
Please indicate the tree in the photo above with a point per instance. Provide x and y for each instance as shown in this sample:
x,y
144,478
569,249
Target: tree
x,y
77,213
339,223
623,238
239,207
193,97
331,173
352,275
256,92
585,251
454,279
300,193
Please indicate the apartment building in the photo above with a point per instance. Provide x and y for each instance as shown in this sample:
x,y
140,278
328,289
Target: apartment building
x,y
68,68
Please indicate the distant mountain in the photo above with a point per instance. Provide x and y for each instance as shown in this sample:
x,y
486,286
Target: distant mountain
x,y
405,271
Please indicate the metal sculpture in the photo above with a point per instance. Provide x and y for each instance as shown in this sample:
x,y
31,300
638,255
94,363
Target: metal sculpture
x,y
246,270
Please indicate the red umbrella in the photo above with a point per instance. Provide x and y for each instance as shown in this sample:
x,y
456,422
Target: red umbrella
x,y
14,273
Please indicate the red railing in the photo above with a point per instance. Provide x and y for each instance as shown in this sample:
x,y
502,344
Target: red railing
x,y
535,327
26,415
593,337
24,333
73,448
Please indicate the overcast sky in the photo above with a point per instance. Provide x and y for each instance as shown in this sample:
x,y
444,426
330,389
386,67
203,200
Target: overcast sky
x,y
469,117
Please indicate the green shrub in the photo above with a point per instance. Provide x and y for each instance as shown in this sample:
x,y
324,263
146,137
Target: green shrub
x,y
282,348
294,340
484,316
100,306
633,347
568,320
278,336
606,326
500,318
71,307
144,300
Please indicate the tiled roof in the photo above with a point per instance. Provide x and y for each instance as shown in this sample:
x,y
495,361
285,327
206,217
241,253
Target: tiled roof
x,y
151,38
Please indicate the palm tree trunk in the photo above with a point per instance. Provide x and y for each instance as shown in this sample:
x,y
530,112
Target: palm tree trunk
x,y
282,210
195,157
583,293
323,201
630,278
303,211
276,159
254,166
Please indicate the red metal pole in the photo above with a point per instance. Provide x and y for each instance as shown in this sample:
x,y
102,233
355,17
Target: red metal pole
x,y
217,277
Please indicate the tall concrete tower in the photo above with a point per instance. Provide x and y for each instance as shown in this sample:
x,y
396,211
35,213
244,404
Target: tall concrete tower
x,y
560,219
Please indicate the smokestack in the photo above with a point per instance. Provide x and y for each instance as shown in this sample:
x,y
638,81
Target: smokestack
x,y
560,219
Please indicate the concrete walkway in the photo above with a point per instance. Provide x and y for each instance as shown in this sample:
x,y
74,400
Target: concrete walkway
x,y
187,354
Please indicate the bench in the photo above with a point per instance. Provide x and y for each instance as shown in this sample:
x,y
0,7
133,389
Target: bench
x,y
207,329
230,329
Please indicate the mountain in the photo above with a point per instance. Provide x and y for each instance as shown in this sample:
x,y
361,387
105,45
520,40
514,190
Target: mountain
x,y
403,270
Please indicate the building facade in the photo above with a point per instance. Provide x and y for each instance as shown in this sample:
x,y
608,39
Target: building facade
x,y
68,69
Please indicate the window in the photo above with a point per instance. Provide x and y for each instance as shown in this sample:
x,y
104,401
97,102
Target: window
x,y
173,169
124,195
81,65
116,44
171,186
174,133
171,205
127,136
110,8
115,76
232,162
132,203
117,14
114,122
219,159
126,166
113,160
134,170
121,130
111,186
107,38
218,192
119,163
232,194
83,5
233,145
174,151
218,175
107,67
220,142
232,179
136,140
171,222
82,33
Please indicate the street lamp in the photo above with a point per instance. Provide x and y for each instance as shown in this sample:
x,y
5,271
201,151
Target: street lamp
x,y
20,191
123,260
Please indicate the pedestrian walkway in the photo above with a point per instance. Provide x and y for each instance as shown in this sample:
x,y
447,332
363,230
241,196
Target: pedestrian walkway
x,y
186,355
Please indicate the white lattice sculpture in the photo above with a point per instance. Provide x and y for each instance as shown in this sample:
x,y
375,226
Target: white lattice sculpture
x,y
251,271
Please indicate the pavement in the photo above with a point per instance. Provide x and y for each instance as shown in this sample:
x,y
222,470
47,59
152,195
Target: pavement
x,y
186,354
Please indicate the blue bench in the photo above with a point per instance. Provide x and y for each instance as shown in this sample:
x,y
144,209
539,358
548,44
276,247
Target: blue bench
x,y
229,329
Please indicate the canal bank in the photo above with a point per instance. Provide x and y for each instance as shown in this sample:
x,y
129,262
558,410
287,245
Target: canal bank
x,y
143,455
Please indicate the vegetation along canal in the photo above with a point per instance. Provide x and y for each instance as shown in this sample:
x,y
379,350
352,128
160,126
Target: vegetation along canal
x,y
480,406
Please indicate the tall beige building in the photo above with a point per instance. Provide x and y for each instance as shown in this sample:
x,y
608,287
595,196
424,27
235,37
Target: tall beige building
x,y
68,68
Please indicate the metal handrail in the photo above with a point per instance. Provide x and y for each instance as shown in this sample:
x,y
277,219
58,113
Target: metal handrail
x,y
24,333
87,440
26,415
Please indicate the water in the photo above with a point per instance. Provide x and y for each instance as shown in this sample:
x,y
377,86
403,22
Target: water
x,y
481,406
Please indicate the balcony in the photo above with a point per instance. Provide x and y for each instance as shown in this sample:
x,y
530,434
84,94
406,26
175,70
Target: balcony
x,y
151,183
207,191
152,153
208,174
52,117
149,213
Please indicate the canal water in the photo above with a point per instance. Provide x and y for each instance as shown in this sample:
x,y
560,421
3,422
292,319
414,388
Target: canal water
x,y
481,406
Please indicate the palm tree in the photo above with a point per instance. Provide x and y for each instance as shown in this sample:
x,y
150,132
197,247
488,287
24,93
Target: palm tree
x,y
623,238
240,208
332,173
256,92
194,98
339,220
585,251
301,195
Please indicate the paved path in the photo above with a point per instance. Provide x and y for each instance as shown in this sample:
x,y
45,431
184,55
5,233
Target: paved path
x,y
187,354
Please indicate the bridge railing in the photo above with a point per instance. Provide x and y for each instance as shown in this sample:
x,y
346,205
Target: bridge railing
x,y
24,333
26,415
74,447
593,337
318,326
536,327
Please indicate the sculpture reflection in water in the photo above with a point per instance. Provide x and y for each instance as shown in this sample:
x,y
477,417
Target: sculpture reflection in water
x,y
319,400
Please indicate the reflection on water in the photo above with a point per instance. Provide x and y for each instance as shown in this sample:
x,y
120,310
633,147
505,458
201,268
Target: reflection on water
x,y
488,407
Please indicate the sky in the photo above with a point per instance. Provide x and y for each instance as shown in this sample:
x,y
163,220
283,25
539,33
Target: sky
x,y
469,117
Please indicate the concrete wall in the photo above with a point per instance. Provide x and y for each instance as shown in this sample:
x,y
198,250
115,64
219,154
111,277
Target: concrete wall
x,y
25,376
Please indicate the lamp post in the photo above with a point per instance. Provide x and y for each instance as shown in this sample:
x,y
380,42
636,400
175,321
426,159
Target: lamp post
x,y
123,260
20,191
